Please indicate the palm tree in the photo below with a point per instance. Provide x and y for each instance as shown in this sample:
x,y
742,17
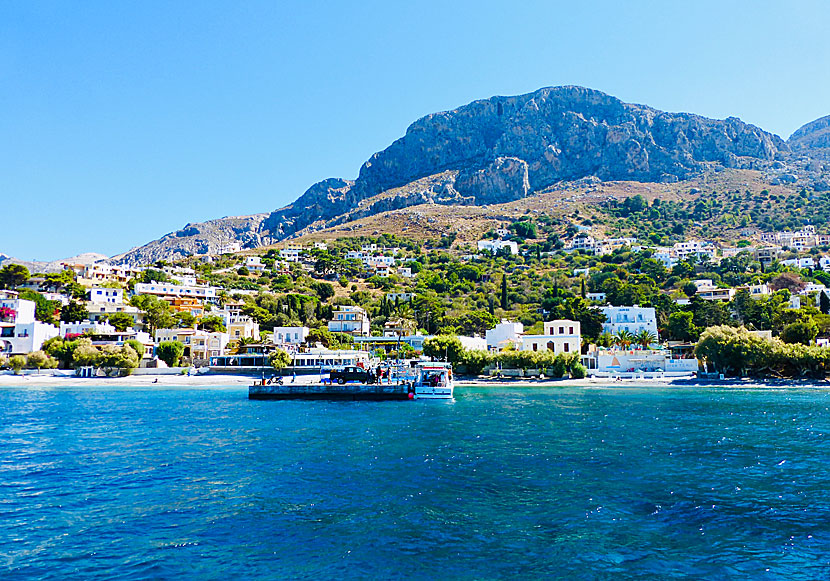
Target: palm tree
x,y
645,338
623,338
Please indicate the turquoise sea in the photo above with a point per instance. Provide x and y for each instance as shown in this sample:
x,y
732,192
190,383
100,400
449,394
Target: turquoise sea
x,y
575,483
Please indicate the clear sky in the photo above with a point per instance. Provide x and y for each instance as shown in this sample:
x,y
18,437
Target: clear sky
x,y
122,121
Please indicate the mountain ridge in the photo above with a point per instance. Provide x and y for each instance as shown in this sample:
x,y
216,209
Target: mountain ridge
x,y
505,148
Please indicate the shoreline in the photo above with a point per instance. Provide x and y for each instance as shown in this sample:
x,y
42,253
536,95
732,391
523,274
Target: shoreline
x,y
228,380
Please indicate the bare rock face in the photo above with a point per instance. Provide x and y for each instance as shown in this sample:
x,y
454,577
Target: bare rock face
x,y
813,135
504,180
201,238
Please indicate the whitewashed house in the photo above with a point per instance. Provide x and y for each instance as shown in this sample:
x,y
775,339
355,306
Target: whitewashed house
x,y
349,319
20,331
504,334
632,319
100,295
560,336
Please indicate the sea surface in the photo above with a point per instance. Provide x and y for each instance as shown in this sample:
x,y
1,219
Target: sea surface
x,y
575,483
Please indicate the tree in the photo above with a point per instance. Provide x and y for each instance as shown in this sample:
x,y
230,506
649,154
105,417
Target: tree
x,y
157,312
170,352
243,271
40,360
690,289
212,324
803,332
152,275
137,346
824,302
324,290
45,310
623,339
279,359
681,327
321,335
444,347
504,303
121,321
645,338
788,280
17,362
13,275
115,359
74,312
85,353
185,319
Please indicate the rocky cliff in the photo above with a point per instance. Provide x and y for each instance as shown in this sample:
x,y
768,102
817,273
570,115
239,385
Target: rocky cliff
x,y
200,238
813,135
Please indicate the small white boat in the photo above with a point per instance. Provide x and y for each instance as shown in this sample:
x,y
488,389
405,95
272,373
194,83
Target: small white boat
x,y
433,381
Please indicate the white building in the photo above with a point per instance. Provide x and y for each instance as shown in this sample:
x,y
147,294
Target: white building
x,y
504,334
254,264
321,246
493,246
683,250
182,276
596,297
105,334
560,336
758,290
632,319
349,319
806,262
165,289
400,297
20,332
290,335
99,295
290,254
199,345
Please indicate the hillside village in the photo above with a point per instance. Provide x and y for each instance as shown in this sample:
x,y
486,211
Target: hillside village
x,y
536,285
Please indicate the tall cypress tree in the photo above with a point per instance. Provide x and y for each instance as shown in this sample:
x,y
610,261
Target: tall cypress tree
x,y
823,302
504,304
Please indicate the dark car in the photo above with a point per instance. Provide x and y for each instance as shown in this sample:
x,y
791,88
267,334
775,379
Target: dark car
x,y
341,376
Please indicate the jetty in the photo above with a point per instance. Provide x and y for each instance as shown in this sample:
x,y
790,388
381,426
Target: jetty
x,y
332,391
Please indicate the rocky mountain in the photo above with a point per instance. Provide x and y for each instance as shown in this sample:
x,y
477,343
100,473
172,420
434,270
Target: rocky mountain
x,y
813,135
201,238
503,149
54,265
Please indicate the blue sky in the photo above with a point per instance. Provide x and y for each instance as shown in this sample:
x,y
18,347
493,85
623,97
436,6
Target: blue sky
x,y
122,121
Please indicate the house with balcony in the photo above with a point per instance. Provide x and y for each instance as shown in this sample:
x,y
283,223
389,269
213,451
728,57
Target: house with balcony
x,y
290,335
199,345
349,319
632,319
20,332
559,336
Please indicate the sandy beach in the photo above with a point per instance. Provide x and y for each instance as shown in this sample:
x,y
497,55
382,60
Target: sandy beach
x,y
207,380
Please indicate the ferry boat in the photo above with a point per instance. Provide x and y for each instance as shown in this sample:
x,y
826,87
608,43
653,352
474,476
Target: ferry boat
x,y
433,381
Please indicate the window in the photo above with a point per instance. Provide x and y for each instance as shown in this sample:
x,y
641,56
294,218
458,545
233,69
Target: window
x,y
567,347
561,330
535,347
551,346
570,330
